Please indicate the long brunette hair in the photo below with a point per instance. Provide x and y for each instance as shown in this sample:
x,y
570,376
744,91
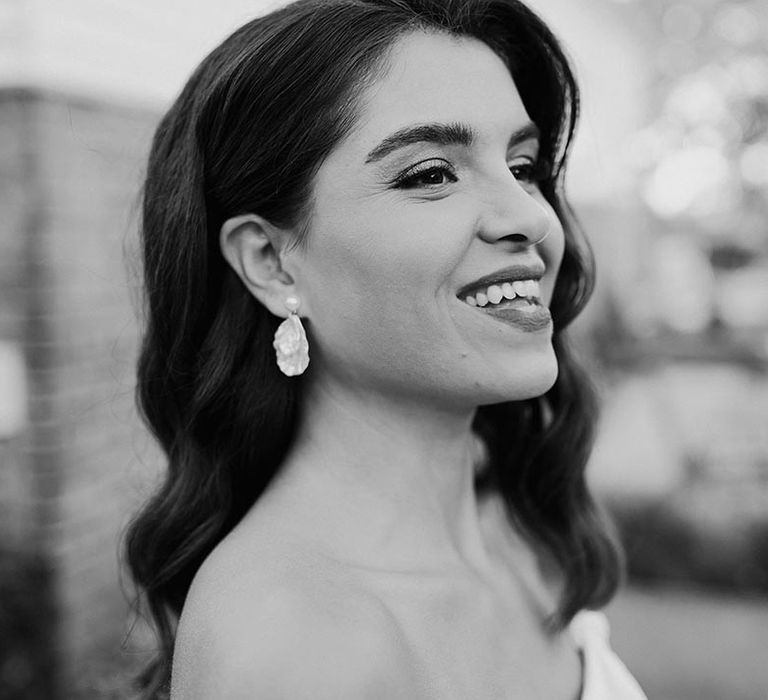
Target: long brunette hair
x,y
247,134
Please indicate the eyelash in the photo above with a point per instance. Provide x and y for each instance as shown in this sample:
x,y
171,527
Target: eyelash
x,y
534,172
409,179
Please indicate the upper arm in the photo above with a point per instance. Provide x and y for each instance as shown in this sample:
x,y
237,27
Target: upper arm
x,y
283,645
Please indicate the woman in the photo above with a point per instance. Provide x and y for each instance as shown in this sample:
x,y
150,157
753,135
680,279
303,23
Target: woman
x,y
405,514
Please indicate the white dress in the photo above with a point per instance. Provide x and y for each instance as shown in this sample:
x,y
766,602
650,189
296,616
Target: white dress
x,y
605,676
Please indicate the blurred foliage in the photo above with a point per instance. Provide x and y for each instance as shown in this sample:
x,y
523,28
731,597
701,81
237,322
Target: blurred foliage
x,y
27,663
694,294
703,158
701,170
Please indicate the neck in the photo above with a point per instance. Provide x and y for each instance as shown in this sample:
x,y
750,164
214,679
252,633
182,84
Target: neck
x,y
383,481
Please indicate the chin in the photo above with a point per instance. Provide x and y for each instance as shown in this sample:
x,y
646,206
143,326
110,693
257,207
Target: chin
x,y
528,382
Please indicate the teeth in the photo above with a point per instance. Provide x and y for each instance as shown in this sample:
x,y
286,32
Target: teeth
x,y
520,287
508,290
495,294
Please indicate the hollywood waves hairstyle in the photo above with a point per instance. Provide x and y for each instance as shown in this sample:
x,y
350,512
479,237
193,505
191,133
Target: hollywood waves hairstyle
x,y
247,134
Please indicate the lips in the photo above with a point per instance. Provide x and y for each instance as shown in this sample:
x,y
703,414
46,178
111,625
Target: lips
x,y
531,317
511,295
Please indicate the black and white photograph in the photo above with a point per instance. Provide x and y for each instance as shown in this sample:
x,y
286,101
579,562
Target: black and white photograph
x,y
384,350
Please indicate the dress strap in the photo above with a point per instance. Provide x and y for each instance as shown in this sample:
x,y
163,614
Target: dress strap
x,y
605,677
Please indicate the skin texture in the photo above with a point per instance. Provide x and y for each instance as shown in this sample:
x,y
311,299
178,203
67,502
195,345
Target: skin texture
x,y
370,546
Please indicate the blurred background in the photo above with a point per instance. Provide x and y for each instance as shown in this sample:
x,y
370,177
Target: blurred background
x,y
670,179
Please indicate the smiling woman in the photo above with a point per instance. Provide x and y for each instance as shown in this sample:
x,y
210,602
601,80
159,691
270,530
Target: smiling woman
x,y
405,515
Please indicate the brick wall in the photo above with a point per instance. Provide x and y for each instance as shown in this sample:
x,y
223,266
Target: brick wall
x,y
69,179
16,164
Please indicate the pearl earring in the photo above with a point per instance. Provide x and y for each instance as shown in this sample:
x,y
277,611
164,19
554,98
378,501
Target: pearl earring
x,y
290,342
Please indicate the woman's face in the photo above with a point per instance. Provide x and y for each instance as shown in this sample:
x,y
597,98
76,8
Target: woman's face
x,y
416,214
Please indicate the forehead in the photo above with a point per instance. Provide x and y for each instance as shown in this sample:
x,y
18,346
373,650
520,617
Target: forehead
x,y
439,77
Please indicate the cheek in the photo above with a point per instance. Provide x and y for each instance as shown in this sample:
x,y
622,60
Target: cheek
x,y
376,281
552,250
367,273
382,251
554,247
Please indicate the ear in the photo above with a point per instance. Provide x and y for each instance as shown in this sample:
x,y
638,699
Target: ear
x,y
252,245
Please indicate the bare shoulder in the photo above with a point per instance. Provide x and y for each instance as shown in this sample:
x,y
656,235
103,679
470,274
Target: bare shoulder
x,y
268,628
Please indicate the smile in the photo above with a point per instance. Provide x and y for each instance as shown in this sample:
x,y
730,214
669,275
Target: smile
x,y
516,303
496,294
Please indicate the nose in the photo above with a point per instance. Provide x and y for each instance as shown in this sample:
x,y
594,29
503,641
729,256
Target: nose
x,y
512,213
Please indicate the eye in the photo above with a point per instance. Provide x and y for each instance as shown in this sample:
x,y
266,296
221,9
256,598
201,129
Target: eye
x,y
530,171
429,174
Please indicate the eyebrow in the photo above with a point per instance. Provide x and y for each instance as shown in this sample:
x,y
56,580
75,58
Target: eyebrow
x,y
443,135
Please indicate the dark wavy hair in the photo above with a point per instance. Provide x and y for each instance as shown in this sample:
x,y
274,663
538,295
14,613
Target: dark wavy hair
x,y
247,134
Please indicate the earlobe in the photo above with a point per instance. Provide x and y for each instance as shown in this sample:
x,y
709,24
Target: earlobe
x,y
251,245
